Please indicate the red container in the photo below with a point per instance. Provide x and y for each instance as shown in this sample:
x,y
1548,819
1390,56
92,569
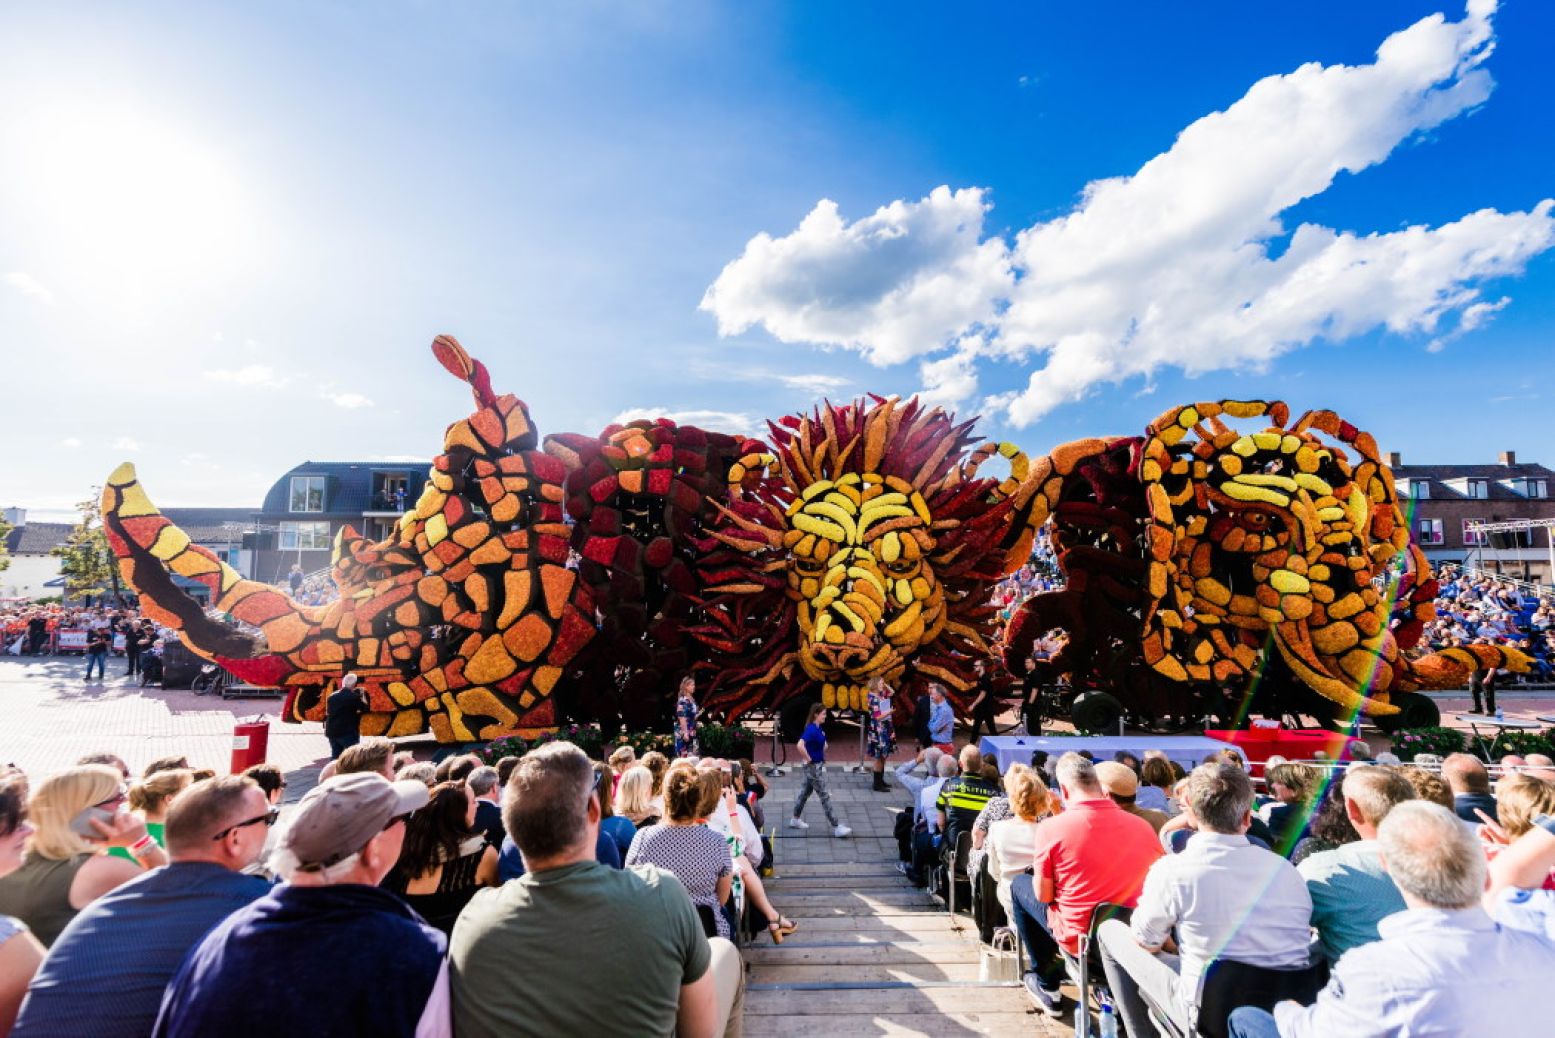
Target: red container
x,y
250,743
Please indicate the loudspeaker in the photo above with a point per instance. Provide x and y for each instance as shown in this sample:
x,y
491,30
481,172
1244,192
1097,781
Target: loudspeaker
x,y
179,665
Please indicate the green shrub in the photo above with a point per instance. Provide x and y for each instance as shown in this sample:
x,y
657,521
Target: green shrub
x,y
1524,743
1409,743
506,746
730,743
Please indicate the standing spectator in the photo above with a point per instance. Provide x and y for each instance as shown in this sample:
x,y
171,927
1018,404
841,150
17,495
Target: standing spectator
x,y
1350,888
879,729
1221,898
1440,967
984,707
812,751
1482,684
20,952
682,845
62,871
328,951
942,720
1470,784
570,922
686,719
488,810
343,712
444,859
97,642
294,579
132,647
1091,853
215,829
922,708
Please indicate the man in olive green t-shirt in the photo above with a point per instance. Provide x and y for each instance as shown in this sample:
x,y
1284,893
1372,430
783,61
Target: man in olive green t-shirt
x,y
576,947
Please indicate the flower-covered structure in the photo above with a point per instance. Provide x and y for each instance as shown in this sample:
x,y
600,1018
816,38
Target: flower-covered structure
x,y
1203,560
583,577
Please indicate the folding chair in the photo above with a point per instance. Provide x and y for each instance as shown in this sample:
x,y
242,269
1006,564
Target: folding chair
x,y
1229,985
955,869
1083,966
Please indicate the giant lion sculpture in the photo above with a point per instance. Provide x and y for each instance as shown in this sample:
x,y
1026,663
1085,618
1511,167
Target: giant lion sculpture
x,y
582,577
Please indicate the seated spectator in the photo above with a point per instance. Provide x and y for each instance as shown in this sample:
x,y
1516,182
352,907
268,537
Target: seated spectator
x,y
1121,785
1155,784
568,923
754,790
422,771
1221,898
623,830
927,836
658,766
482,784
62,871
105,974
270,781
1442,966
1470,784
1090,853
457,768
961,798
1520,799
150,797
176,762
1428,785
1012,841
1330,826
1295,788
728,817
1350,888
634,800
622,760
370,756
929,760
505,768
328,951
444,859
683,846
20,952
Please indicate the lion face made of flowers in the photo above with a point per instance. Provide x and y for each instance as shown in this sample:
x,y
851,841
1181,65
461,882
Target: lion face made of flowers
x,y
585,576
1200,550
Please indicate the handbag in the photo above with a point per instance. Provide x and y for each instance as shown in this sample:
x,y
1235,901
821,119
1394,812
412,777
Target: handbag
x,y
999,959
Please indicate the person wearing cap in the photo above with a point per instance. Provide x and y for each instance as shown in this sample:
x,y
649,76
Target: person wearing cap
x,y
328,951
1223,897
575,947
1122,785
343,712
105,974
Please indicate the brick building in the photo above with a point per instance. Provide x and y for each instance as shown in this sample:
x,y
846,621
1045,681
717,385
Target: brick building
x,y
306,508
1443,501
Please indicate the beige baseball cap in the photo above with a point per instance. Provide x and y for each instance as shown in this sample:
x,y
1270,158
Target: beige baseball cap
x,y
1117,778
337,818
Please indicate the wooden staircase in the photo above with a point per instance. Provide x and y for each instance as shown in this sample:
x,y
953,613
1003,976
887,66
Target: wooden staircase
x,y
874,956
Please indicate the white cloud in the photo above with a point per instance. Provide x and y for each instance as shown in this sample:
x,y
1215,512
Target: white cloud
x,y
27,285
126,443
259,375
1169,267
813,385
713,421
70,441
348,400
892,285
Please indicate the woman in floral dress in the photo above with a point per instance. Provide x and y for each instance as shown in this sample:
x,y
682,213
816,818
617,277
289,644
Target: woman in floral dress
x,y
686,719
880,732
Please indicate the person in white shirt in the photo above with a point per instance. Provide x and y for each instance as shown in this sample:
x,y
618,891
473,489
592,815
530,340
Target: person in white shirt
x,y
1012,842
1443,966
1223,897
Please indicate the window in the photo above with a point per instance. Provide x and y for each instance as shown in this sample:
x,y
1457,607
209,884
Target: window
x,y
1471,535
1533,487
1419,489
304,537
1428,531
307,494
1476,488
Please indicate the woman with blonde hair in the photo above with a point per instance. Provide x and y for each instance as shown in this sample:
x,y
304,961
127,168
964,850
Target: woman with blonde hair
x,y
1012,842
634,800
62,870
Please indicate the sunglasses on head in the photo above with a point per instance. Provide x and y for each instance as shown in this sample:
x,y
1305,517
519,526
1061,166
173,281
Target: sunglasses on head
x,y
268,818
117,798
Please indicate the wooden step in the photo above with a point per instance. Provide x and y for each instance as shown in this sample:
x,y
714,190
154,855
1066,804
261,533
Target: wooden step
x,y
799,884
912,1025
955,997
928,922
837,868
845,953
802,973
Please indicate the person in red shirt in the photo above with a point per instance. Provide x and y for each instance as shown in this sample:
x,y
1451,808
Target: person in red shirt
x,y
1093,852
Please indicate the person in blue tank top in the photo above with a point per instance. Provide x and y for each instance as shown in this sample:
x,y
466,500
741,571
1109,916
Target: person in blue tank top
x,y
812,752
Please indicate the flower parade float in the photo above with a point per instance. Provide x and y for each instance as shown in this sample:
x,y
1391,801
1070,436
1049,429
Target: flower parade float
x,y
581,577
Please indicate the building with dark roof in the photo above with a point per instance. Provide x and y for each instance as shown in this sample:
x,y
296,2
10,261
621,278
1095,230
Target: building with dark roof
x,y
306,508
1444,501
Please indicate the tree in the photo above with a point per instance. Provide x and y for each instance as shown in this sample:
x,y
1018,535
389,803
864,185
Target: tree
x,y
86,561
5,556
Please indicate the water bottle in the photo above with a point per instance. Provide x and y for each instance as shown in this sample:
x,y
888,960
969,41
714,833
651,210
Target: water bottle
x,y
1499,715
1108,1027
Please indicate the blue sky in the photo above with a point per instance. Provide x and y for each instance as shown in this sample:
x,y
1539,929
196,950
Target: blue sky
x,y
228,233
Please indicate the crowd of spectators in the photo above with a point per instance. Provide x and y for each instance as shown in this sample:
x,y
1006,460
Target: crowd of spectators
x,y
396,897
1476,609
1387,899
